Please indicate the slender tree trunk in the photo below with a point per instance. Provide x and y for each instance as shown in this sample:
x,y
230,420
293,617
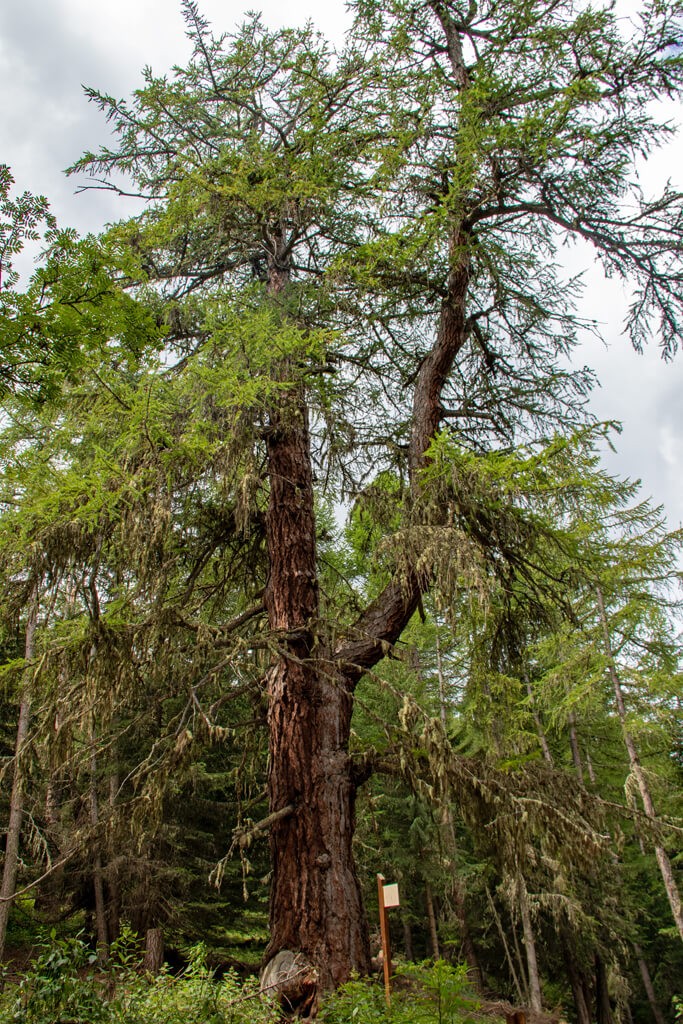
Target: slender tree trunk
x,y
431,921
521,965
113,892
407,937
97,873
583,1015
451,843
574,744
52,889
16,813
647,985
639,834
535,995
506,947
442,684
663,861
540,732
475,972
603,1007
457,894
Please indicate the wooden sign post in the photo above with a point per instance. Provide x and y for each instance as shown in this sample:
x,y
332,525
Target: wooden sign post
x,y
387,896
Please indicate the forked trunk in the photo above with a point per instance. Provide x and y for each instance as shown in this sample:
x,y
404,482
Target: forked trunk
x,y
316,905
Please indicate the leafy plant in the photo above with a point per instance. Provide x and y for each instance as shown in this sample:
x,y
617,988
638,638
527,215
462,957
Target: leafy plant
x,y
61,987
426,993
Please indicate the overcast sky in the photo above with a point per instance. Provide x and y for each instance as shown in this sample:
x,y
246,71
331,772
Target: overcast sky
x,y
50,48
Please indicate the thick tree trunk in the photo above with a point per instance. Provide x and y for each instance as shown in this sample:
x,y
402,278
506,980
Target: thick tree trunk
x,y
315,906
154,951
16,814
663,861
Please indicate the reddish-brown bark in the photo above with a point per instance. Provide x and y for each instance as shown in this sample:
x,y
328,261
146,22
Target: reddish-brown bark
x,y
315,901
316,904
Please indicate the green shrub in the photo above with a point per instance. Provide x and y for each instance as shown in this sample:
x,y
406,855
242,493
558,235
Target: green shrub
x,y
194,997
428,993
60,988
64,987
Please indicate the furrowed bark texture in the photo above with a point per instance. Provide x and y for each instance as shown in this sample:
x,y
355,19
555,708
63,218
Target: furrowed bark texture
x,y
153,959
316,904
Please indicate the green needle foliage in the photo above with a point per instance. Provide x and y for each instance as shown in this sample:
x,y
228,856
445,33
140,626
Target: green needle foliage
x,y
346,285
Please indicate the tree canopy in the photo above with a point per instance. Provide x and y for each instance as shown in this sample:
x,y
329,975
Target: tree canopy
x,y
308,436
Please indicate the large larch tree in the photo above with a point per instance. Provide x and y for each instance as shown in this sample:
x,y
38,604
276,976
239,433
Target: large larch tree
x,y
363,247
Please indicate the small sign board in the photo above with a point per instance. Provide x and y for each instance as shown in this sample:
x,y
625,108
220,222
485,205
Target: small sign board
x,y
391,895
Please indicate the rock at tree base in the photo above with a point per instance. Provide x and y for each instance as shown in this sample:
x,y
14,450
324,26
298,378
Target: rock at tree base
x,y
293,979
